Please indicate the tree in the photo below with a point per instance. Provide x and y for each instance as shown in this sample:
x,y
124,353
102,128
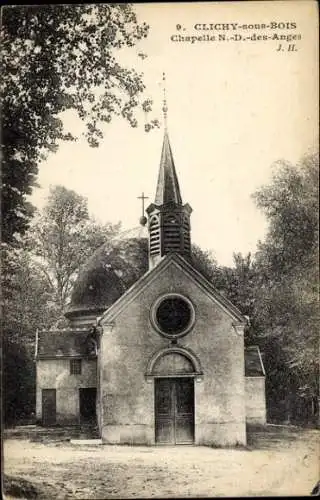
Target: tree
x,y
290,204
63,238
36,283
239,282
27,306
239,285
56,58
286,307
205,262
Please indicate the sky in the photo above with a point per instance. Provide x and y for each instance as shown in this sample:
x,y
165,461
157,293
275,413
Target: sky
x,y
234,108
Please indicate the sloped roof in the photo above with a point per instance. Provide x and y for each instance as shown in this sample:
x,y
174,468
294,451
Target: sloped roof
x,y
253,362
111,270
111,313
67,342
168,190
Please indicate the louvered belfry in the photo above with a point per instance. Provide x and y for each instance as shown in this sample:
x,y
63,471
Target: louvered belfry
x,y
168,218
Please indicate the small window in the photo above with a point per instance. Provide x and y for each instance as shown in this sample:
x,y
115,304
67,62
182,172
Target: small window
x,y
75,367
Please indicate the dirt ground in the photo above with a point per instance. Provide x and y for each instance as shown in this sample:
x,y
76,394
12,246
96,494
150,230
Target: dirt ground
x,y
280,461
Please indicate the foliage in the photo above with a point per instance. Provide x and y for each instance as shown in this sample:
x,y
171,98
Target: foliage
x,y
239,286
205,262
290,204
26,295
286,304
57,58
18,382
278,289
26,307
36,281
63,238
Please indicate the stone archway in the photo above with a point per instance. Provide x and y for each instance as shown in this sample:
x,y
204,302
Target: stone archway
x,y
174,370
173,361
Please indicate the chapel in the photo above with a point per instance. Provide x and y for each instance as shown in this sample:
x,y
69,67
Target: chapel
x,y
153,353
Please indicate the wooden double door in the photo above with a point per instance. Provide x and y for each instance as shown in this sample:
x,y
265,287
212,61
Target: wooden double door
x,y
174,410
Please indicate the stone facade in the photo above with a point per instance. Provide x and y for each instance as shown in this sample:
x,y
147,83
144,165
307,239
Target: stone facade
x,y
130,340
55,374
255,400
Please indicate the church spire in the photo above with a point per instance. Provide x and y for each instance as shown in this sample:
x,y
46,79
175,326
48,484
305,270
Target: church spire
x,y
168,190
168,218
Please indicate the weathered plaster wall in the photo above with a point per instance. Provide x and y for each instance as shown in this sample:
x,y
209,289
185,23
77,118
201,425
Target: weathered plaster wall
x,y
128,399
255,400
55,374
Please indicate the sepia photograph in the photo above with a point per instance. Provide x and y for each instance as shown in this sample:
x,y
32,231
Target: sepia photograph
x,y
160,250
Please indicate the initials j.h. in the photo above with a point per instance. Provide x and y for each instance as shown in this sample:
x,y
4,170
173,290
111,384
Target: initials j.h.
x,y
291,48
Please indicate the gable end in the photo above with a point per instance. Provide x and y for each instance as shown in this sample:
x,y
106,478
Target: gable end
x,y
151,275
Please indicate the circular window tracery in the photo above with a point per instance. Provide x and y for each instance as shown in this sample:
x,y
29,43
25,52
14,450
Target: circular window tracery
x,y
173,315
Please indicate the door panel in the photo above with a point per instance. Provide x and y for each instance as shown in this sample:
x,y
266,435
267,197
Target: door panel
x,y
174,410
164,411
184,430
49,406
184,391
184,395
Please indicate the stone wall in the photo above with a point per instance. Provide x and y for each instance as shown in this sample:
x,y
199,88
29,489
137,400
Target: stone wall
x,y
55,374
255,400
127,412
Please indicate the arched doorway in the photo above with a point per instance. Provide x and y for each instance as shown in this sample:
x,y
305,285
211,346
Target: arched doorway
x,y
174,410
174,370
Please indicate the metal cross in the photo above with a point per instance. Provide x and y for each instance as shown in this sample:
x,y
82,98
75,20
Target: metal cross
x,y
143,197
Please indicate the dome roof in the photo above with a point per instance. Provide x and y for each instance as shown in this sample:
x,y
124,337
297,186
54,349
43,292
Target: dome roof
x,y
111,270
